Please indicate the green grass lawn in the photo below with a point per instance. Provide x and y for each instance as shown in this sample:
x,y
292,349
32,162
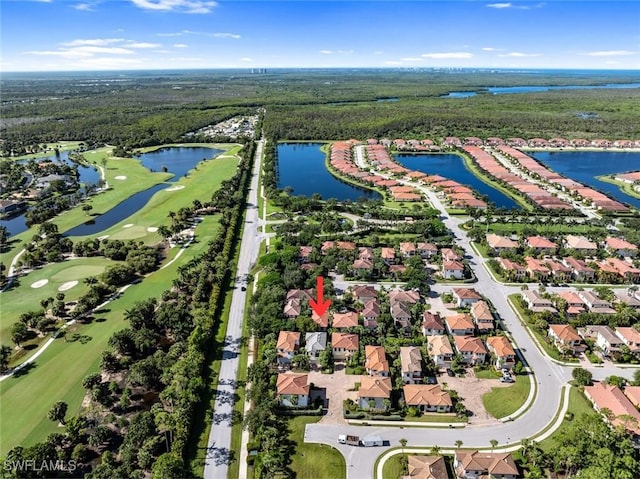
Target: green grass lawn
x,y
392,468
57,274
626,188
504,401
314,461
578,405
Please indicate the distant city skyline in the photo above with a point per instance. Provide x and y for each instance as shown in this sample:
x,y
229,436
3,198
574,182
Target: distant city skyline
x,y
76,35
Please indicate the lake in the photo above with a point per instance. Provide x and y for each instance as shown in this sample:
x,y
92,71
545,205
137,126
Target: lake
x,y
176,160
584,166
452,167
503,90
301,166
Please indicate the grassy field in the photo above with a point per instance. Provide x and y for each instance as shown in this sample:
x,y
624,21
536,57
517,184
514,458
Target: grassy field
x,y
13,300
314,461
578,405
392,468
504,401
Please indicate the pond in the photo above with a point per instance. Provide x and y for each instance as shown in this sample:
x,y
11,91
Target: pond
x,y
176,160
584,166
452,167
301,166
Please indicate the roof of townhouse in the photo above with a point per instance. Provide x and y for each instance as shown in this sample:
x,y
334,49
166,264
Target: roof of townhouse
x,y
396,295
497,241
371,308
347,341
452,266
426,467
610,397
509,265
288,340
481,311
315,341
410,359
345,320
607,333
291,383
387,253
565,332
439,345
580,242
450,254
628,334
426,394
365,291
619,243
375,387
500,346
427,247
495,463
536,265
572,298
577,264
540,242
459,322
633,393
407,247
375,359
469,344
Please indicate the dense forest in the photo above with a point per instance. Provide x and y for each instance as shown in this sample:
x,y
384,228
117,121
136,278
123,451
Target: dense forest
x,y
147,108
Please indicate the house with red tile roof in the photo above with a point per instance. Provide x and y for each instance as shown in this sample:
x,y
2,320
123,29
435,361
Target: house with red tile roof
x,y
364,293
345,320
452,270
479,465
344,345
407,249
388,255
440,350
287,346
373,392
432,324
605,396
512,270
580,244
502,351
575,304
620,247
566,338
465,296
375,362
362,266
370,313
427,397
305,253
293,389
426,467
633,393
536,268
459,325
540,244
449,254
579,269
630,337
321,321
537,303
558,270
471,349
625,269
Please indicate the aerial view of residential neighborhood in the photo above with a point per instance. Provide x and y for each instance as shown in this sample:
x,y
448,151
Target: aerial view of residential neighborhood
x,y
320,240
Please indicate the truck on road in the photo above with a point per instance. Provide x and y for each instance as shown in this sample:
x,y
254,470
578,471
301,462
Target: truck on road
x,y
348,439
369,441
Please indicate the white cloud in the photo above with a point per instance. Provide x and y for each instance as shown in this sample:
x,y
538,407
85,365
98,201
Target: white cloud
x,y
109,50
98,42
327,52
58,53
86,7
175,34
336,52
143,45
109,62
180,6
458,55
226,35
504,5
180,45
500,5
491,49
520,55
246,59
185,59
611,53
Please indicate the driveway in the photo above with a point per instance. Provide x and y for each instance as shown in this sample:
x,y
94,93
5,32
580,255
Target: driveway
x,y
339,386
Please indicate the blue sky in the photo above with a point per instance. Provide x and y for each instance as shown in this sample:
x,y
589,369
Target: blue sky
x,y
159,34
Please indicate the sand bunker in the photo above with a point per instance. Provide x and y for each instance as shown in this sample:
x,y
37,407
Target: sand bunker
x,y
128,225
103,237
152,229
39,284
120,177
175,188
67,285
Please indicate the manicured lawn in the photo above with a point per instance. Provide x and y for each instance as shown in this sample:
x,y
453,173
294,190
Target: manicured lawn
x,y
578,405
13,300
314,461
503,401
392,468
487,374
626,188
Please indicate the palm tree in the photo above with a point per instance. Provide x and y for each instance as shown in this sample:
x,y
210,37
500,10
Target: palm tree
x,y
435,450
458,444
494,443
403,443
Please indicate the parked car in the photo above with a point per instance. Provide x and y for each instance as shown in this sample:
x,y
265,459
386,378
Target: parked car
x,y
506,379
450,373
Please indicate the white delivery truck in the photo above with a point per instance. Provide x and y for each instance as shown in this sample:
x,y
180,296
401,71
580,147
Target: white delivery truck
x,y
348,439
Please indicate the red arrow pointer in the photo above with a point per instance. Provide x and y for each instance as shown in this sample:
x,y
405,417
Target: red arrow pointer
x,y
320,307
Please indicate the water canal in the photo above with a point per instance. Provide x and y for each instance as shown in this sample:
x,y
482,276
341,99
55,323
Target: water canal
x,y
176,160
584,166
505,90
301,166
452,167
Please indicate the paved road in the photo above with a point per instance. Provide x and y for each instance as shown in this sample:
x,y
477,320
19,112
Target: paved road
x,y
549,378
219,453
